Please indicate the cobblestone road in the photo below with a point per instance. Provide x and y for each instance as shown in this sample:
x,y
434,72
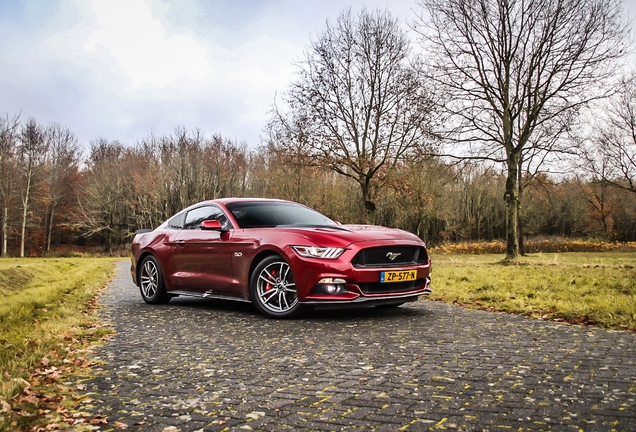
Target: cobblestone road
x,y
207,365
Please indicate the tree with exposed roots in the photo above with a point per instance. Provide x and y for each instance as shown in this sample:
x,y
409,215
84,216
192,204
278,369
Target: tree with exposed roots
x,y
357,106
513,70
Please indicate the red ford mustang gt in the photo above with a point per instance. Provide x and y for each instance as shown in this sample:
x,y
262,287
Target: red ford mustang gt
x,y
279,255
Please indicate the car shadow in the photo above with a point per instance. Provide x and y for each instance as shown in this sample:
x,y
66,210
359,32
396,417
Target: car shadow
x,y
245,309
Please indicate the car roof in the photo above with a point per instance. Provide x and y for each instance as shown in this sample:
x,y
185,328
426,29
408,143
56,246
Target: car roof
x,y
225,201
234,200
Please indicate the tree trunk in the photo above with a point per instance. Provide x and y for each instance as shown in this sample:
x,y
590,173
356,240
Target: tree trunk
x,y
512,211
48,240
24,218
364,210
5,231
522,250
25,208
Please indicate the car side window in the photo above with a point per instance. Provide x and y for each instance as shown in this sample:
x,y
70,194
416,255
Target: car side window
x,y
177,221
200,214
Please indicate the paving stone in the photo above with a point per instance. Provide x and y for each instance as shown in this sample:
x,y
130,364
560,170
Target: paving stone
x,y
221,366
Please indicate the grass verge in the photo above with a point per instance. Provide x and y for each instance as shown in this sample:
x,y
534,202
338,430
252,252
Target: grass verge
x,y
536,245
583,288
47,321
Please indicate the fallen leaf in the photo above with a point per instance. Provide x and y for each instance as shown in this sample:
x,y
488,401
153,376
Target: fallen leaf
x,y
61,410
255,415
45,361
23,382
120,425
29,399
5,406
98,420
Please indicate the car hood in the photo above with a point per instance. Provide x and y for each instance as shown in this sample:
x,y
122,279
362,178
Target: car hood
x,y
344,235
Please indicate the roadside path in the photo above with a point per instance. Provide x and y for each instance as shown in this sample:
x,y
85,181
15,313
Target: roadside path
x,y
208,365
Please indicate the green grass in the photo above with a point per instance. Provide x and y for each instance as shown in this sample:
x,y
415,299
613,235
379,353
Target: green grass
x,y
47,320
586,288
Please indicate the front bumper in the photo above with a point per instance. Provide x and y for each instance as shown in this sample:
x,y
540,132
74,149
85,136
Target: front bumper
x,y
363,284
366,301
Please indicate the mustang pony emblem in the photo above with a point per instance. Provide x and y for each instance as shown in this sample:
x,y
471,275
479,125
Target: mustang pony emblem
x,y
393,255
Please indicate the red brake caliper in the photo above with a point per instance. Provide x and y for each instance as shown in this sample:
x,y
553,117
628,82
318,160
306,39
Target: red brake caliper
x,y
269,287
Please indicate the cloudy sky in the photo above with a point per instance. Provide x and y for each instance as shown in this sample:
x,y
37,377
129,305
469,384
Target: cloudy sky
x,y
122,69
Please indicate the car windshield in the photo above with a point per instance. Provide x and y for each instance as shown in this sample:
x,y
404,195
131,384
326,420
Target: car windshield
x,y
272,214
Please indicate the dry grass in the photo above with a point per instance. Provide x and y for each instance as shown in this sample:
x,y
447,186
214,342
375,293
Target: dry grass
x,y
46,322
587,288
535,246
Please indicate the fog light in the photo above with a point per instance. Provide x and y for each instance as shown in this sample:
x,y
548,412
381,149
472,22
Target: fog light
x,y
331,289
331,286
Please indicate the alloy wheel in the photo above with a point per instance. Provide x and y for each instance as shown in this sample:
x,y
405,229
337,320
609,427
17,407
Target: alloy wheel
x,y
149,279
276,289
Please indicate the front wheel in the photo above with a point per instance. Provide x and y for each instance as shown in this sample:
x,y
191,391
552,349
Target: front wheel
x,y
273,288
151,285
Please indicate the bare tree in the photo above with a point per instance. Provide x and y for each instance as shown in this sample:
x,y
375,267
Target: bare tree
x,y
61,161
289,144
359,101
612,154
31,152
103,198
8,143
511,68
602,205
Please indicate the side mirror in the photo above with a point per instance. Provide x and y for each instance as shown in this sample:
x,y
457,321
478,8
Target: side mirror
x,y
211,225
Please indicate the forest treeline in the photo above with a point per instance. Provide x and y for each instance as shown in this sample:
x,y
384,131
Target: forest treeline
x,y
55,195
512,119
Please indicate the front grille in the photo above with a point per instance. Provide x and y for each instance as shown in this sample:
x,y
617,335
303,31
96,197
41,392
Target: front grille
x,y
377,287
381,256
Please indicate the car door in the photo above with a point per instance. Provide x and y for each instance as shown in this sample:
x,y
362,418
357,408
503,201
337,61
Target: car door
x,y
203,258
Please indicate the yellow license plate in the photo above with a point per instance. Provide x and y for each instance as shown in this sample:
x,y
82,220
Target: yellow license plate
x,y
398,276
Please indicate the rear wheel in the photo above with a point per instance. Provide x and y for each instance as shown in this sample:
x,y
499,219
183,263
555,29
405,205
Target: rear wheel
x,y
151,285
273,288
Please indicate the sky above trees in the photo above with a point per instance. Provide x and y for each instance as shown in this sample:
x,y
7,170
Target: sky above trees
x,y
123,69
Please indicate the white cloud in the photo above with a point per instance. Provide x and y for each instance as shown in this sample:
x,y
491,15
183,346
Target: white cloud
x,y
120,69
142,46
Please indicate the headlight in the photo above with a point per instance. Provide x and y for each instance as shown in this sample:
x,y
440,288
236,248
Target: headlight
x,y
318,252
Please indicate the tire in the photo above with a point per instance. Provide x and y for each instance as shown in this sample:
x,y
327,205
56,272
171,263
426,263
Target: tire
x,y
151,285
273,289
